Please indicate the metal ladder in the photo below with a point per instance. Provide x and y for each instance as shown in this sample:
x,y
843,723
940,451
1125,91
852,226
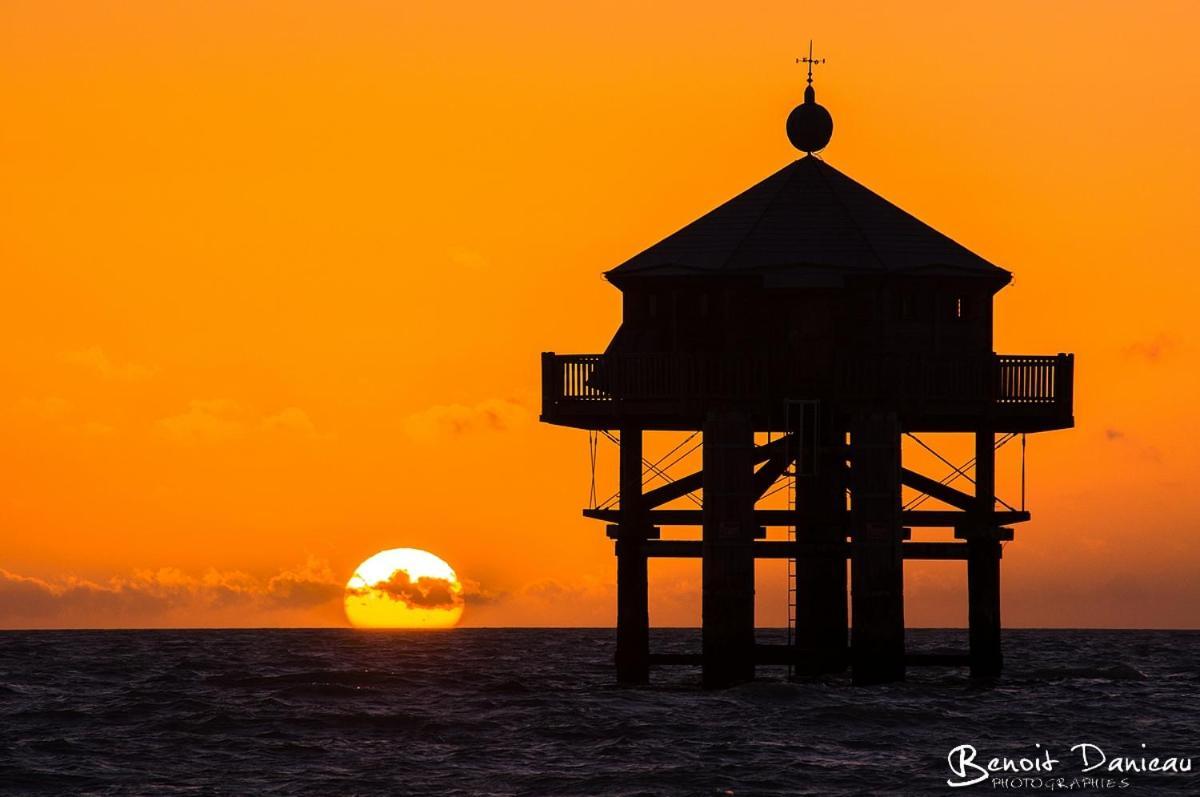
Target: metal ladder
x,y
801,421
790,475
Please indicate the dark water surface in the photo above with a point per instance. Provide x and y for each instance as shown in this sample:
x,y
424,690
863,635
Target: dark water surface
x,y
535,712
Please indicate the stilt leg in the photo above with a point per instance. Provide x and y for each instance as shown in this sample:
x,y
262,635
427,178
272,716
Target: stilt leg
x,y
983,588
633,617
822,633
877,577
728,564
983,565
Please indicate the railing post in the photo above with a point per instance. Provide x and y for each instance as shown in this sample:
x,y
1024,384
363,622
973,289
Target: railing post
x,y
993,381
1064,382
549,382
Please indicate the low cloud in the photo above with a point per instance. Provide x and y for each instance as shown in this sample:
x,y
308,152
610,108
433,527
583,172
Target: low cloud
x,y
586,600
451,420
205,419
312,584
58,413
1153,350
167,596
96,429
424,593
218,420
291,419
97,362
47,408
553,591
1163,600
1131,445
475,594
469,259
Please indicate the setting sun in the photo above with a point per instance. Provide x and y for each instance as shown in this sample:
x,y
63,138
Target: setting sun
x,y
404,588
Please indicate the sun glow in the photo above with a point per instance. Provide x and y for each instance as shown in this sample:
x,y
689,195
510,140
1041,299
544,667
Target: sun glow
x,y
404,588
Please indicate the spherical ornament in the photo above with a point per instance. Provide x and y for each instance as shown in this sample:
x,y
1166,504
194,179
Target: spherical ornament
x,y
809,127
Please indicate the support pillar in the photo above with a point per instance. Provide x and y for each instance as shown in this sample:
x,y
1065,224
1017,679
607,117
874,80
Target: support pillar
x,y
822,628
983,565
633,615
876,569
728,563
983,588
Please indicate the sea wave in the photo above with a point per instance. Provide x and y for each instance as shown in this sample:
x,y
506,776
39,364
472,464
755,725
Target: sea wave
x,y
533,712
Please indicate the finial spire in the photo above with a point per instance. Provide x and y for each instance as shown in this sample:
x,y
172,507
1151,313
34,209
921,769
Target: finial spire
x,y
809,127
810,61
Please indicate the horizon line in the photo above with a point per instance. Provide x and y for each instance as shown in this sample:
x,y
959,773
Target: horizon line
x,y
51,629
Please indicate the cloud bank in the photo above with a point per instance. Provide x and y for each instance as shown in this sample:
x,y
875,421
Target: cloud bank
x,y
424,593
94,359
452,420
308,595
167,597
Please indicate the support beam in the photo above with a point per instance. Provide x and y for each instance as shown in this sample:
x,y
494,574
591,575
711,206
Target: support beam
x,y
781,654
801,549
633,615
648,532
916,518
672,490
983,565
728,559
769,473
935,489
968,532
876,565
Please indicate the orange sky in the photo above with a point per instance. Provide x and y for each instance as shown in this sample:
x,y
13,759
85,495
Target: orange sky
x,y
277,274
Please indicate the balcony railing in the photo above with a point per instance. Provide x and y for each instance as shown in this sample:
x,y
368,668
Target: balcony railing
x,y
1012,382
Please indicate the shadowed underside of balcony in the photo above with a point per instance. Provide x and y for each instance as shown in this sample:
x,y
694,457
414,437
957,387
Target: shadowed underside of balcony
x,y
1008,393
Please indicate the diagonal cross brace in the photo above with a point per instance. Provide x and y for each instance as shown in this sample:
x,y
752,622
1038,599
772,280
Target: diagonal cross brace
x,y
773,451
935,489
769,473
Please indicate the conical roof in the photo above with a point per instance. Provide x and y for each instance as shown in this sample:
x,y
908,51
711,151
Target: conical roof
x,y
807,225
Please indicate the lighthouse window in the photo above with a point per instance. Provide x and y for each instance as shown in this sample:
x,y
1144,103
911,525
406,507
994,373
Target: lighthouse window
x,y
961,308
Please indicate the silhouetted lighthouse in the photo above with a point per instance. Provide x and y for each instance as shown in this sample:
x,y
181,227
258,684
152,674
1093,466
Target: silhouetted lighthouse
x,y
814,310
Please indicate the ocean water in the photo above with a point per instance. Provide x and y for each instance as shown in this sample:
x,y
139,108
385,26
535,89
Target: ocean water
x,y
535,712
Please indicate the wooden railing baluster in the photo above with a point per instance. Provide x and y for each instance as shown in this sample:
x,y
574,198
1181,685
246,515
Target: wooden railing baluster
x,y
1014,381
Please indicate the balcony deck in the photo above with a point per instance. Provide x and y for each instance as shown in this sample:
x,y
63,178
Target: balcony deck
x,y
1008,393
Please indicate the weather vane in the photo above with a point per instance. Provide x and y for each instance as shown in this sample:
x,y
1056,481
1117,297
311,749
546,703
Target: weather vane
x,y
810,61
